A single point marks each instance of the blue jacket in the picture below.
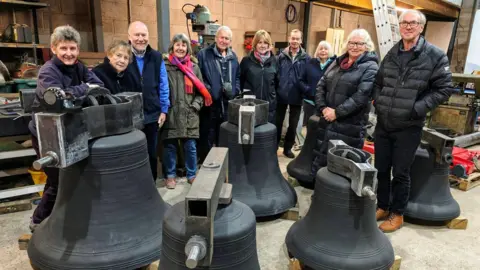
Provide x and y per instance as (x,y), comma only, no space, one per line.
(72,79)
(312,75)
(150,77)
(291,91)
(211,75)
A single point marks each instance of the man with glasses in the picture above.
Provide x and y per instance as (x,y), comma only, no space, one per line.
(413,79)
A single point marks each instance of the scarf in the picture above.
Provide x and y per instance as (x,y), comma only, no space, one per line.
(345,65)
(138,53)
(186,66)
(261,57)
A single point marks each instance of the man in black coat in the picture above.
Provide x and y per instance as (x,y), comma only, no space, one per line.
(291,61)
(413,79)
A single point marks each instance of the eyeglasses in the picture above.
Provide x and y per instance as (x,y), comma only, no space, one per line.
(352,44)
(404,24)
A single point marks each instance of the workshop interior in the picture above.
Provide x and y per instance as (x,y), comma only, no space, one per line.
(249,207)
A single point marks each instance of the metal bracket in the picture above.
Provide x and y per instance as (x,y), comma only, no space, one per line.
(63,137)
(246,124)
(207,192)
(441,144)
(363,175)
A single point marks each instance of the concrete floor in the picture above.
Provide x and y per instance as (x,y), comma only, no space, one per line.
(420,247)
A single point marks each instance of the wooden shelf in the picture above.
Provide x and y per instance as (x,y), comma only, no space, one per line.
(21,45)
(22,4)
(17,154)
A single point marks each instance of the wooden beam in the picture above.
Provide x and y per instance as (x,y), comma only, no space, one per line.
(438,8)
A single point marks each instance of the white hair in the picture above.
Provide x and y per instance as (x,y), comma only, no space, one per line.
(422,20)
(225,29)
(65,33)
(326,45)
(362,33)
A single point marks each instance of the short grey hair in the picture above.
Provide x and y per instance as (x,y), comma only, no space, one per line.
(325,45)
(364,35)
(65,33)
(422,20)
(180,38)
(225,29)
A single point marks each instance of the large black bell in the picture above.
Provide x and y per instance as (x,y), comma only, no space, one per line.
(253,168)
(108,213)
(234,242)
(430,198)
(300,168)
(339,230)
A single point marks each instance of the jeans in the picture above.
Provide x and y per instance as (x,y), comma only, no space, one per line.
(170,157)
(151,132)
(45,207)
(294,116)
(395,150)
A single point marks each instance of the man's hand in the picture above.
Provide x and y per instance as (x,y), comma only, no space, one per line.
(161,120)
(329,114)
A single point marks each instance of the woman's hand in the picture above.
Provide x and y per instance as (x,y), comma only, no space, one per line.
(329,114)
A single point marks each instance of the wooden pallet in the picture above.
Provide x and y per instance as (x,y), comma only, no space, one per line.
(295,264)
(472,181)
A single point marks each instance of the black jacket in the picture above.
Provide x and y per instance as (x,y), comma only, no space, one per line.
(349,93)
(291,90)
(312,75)
(261,79)
(404,97)
(115,82)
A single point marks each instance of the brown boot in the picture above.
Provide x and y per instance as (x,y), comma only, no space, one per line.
(190,181)
(170,183)
(381,214)
(393,223)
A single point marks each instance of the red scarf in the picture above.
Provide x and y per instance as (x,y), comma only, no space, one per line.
(186,66)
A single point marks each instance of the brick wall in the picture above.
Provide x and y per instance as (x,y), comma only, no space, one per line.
(241,16)
(115,18)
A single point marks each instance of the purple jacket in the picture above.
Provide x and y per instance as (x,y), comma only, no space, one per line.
(72,79)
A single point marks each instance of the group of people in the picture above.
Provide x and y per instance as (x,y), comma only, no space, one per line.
(185,96)
(411,80)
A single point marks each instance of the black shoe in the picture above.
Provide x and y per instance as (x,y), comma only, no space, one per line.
(288,153)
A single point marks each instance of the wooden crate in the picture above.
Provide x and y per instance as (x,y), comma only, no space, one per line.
(295,264)
(472,181)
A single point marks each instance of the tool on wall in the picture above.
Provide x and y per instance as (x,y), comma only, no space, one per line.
(201,24)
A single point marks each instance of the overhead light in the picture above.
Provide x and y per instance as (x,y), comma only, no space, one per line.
(401,9)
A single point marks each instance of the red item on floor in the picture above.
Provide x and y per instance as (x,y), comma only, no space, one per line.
(368,147)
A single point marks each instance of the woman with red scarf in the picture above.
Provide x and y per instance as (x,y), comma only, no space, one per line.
(187,96)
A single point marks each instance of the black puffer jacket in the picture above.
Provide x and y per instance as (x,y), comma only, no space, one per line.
(404,97)
(261,79)
(349,93)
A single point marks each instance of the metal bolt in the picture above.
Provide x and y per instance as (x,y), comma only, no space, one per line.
(367,191)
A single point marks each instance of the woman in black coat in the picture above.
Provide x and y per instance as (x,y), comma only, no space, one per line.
(314,71)
(343,96)
(111,71)
(258,72)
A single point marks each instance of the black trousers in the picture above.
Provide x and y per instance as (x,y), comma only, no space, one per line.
(395,150)
(294,116)
(151,132)
(308,111)
(45,207)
